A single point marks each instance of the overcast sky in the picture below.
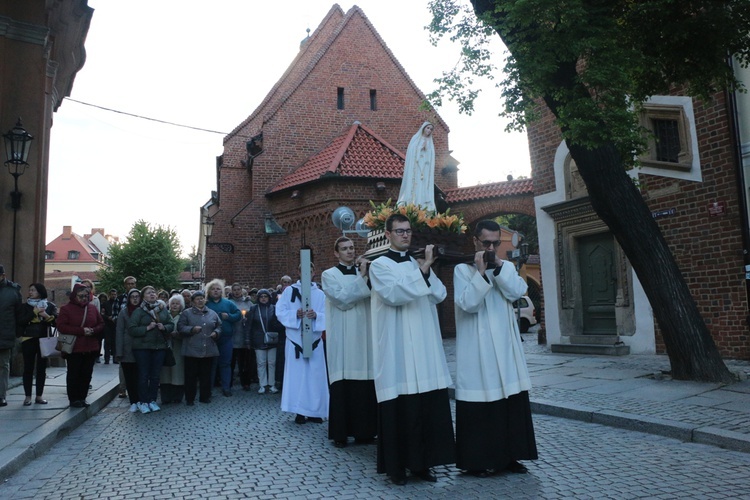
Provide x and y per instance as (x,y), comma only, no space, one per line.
(209,65)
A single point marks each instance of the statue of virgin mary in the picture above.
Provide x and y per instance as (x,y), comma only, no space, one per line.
(418,183)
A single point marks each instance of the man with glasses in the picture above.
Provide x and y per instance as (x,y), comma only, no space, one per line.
(493,415)
(415,427)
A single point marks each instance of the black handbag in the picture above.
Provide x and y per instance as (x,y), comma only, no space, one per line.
(169,359)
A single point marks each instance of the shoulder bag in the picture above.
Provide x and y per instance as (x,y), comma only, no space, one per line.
(269,338)
(48,344)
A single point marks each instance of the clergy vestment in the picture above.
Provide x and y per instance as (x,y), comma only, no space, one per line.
(493,415)
(415,429)
(305,381)
(353,407)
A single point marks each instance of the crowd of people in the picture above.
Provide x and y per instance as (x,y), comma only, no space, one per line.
(363,350)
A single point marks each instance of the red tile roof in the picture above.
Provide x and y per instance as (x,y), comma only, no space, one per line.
(359,153)
(493,190)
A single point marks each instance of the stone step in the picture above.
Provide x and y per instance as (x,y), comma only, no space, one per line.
(595,339)
(604,350)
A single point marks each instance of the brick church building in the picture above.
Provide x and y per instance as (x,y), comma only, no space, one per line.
(332,132)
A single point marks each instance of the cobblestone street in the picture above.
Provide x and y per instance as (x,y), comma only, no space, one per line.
(245,447)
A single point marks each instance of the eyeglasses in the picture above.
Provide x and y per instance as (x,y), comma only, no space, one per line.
(402,232)
(488,243)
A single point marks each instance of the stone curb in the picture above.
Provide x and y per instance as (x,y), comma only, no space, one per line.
(712,436)
(37,442)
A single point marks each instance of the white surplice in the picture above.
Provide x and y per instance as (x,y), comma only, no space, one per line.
(408,348)
(305,381)
(490,362)
(348,331)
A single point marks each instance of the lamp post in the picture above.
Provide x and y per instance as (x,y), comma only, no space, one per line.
(17,146)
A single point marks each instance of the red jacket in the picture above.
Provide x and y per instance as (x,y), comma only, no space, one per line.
(70,318)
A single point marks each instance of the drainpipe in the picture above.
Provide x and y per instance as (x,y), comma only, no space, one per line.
(742,182)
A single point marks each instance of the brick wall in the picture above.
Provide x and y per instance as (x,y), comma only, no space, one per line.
(708,249)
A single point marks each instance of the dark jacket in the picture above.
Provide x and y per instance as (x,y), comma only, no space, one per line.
(254,333)
(31,325)
(199,345)
(154,338)
(71,316)
(10,301)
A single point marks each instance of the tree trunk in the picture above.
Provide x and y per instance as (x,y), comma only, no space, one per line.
(692,352)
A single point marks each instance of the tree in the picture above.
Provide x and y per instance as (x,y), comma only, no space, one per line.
(524,224)
(591,62)
(152,255)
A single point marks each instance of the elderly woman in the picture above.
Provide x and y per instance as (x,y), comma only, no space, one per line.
(259,320)
(124,347)
(34,320)
(150,326)
(81,318)
(200,328)
(230,316)
(173,377)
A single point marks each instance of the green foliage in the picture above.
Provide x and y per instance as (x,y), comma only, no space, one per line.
(151,254)
(524,224)
(594,60)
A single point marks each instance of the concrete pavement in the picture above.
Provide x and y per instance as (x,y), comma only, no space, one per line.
(629,392)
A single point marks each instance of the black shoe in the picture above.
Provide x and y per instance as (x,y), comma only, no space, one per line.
(339,444)
(205,400)
(364,440)
(300,419)
(106,361)
(517,468)
(3,402)
(77,404)
(315,420)
(227,393)
(98,360)
(398,479)
(116,362)
(190,403)
(425,475)
(122,395)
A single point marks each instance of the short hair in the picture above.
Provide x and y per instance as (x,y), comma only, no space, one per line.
(92,287)
(213,283)
(177,298)
(147,287)
(397,217)
(236,284)
(286,277)
(129,278)
(489,225)
(340,239)
(113,290)
(41,289)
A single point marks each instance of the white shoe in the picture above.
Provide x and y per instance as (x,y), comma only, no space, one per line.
(144,408)
(274,390)
(262,390)
(133,408)
(153,406)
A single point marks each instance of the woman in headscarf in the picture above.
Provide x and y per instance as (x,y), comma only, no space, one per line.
(81,318)
(261,319)
(200,328)
(418,183)
(150,326)
(34,320)
(124,347)
(172,384)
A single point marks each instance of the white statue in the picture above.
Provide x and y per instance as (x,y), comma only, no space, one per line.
(418,183)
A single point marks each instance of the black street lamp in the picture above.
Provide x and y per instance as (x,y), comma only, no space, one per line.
(17,147)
